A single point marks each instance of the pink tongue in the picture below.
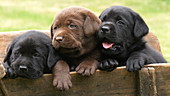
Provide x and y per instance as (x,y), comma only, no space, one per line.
(107,45)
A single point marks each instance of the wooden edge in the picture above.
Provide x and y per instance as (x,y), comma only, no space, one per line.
(16,33)
(147,82)
(149,65)
(101,80)
(12,32)
(3,88)
(123,67)
(158,64)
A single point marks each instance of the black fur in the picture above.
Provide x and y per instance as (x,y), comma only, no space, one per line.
(126,29)
(30,55)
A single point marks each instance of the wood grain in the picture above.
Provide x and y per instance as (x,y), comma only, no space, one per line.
(147,83)
(100,84)
(116,83)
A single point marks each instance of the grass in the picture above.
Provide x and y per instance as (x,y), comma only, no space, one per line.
(18,15)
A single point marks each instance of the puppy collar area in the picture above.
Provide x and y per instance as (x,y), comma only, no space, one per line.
(107,45)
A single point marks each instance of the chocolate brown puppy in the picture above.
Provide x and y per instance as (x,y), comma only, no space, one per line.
(73,36)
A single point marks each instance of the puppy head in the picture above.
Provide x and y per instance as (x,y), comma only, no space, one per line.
(73,30)
(121,27)
(29,55)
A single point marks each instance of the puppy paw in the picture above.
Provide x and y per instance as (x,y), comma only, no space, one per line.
(2,71)
(135,63)
(62,82)
(87,68)
(108,65)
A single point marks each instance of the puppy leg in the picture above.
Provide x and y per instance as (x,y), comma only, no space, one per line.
(62,78)
(108,65)
(87,67)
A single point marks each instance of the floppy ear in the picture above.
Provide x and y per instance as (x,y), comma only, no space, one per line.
(91,25)
(51,30)
(140,28)
(53,57)
(6,62)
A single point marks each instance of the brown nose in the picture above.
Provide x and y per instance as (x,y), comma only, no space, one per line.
(59,39)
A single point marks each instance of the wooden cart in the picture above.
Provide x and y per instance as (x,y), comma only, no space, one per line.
(153,80)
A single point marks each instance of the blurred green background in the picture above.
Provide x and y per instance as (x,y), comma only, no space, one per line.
(18,15)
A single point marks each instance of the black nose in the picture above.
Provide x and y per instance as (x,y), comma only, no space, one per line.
(59,38)
(105,29)
(23,68)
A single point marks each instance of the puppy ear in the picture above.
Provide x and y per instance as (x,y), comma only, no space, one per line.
(91,25)
(53,57)
(6,61)
(140,28)
(51,30)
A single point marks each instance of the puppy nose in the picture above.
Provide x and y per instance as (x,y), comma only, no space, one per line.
(23,68)
(105,29)
(59,39)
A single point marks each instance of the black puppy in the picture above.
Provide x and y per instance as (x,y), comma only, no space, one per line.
(121,35)
(30,55)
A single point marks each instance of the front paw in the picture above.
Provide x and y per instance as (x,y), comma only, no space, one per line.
(135,63)
(62,82)
(87,68)
(108,65)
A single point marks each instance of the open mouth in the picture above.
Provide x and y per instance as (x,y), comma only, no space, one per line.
(106,44)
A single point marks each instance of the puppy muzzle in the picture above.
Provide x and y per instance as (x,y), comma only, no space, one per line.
(10,73)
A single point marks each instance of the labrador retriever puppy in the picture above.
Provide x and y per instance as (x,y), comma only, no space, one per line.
(30,55)
(73,36)
(121,36)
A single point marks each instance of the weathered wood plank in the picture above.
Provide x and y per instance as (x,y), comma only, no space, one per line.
(153,41)
(100,84)
(147,82)
(3,88)
(162,72)
(116,83)
(1,93)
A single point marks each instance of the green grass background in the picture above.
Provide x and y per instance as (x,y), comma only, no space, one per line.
(18,15)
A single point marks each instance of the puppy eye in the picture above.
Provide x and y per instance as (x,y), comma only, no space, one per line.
(120,22)
(55,27)
(17,54)
(36,55)
(72,26)
(118,18)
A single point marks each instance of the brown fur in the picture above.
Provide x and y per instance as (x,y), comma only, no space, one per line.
(77,44)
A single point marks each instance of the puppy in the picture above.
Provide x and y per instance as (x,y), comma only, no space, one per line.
(121,36)
(30,55)
(73,36)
